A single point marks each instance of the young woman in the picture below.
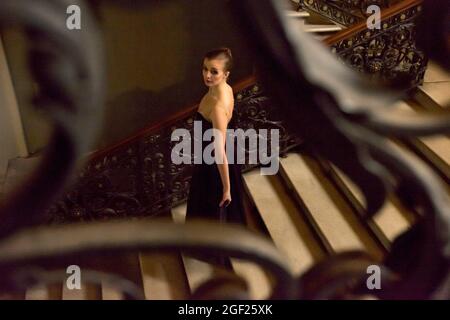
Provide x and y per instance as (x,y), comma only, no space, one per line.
(216,190)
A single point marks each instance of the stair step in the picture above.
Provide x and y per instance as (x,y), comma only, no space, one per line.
(332,215)
(128,269)
(391,220)
(283,221)
(110,293)
(163,277)
(435,149)
(42,292)
(435,90)
(440,145)
(18,169)
(86,292)
(434,94)
(297,14)
(258,281)
(435,73)
(315,28)
(198,272)
(320,29)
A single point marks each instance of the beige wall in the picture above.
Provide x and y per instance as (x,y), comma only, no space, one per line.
(12,140)
(35,124)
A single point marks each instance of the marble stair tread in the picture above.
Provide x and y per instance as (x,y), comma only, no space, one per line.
(86,292)
(198,272)
(436,73)
(163,276)
(300,20)
(389,219)
(437,93)
(296,14)
(110,293)
(42,292)
(18,169)
(438,144)
(321,28)
(283,221)
(332,215)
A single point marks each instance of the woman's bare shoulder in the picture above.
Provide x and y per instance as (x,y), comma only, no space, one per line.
(222,100)
(225,95)
(226,101)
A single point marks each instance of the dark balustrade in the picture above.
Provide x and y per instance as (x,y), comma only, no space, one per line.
(388,54)
(343,12)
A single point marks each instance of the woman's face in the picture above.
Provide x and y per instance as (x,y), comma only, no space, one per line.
(213,72)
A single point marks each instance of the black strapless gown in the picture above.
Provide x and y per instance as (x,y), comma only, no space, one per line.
(205,193)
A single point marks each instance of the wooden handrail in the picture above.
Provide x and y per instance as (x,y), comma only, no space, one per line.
(358,27)
(385,14)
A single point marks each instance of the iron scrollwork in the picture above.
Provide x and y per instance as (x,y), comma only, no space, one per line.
(344,12)
(390,53)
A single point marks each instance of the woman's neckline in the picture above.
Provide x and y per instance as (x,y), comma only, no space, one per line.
(211,121)
(203,116)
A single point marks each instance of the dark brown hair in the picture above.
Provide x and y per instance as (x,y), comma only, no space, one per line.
(221,53)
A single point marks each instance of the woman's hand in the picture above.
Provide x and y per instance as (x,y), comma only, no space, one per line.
(226,199)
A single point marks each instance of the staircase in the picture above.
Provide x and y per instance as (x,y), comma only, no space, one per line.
(309,209)
(310,22)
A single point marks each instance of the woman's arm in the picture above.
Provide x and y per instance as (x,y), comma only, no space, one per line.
(220,121)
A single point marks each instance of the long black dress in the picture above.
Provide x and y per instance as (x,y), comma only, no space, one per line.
(205,192)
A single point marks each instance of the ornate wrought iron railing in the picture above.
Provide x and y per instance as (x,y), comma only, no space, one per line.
(344,12)
(388,54)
